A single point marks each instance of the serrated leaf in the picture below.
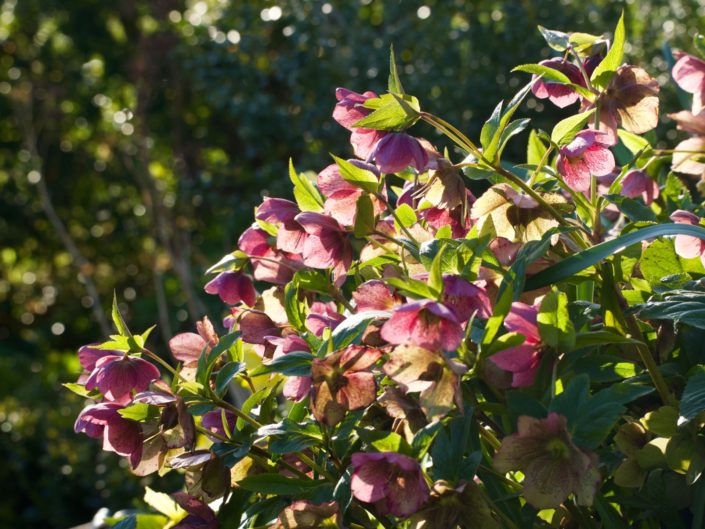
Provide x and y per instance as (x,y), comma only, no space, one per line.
(557,40)
(603,73)
(357,176)
(118,320)
(659,260)
(295,363)
(554,323)
(406,215)
(226,374)
(81,391)
(393,112)
(352,327)
(546,73)
(394,83)
(307,196)
(364,216)
(566,129)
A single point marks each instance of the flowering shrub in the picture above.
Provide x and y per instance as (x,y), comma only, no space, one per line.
(400,353)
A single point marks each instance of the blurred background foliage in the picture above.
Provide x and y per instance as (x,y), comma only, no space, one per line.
(137,136)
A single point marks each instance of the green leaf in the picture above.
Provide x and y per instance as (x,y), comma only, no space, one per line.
(635,210)
(307,196)
(602,75)
(589,339)
(139,412)
(80,390)
(364,216)
(699,44)
(693,398)
(566,129)
(352,327)
(659,260)
(493,131)
(278,484)
(554,323)
(633,142)
(414,288)
(357,176)
(393,112)
(384,441)
(313,281)
(557,40)
(680,306)
(292,306)
(394,84)
(163,503)
(535,149)
(226,374)
(546,73)
(406,215)
(435,276)
(587,258)
(118,320)
(295,363)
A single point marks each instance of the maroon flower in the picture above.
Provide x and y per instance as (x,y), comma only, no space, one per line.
(558,94)
(268,264)
(552,465)
(200,515)
(689,74)
(117,376)
(586,155)
(349,109)
(638,183)
(523,360)
(187,347)
(232,288)
(326,244)
(342,196)
(465,299)
(215,421)
(295,388)
(397,151)
(393,482)
(424,323)
(119,435)
(290,234)
(342,382)
(89,354)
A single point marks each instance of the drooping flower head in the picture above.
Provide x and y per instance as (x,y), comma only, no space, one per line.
(232,288)
(393,482)
(119,435)
(118,376)
(397,151)
(637,184)
(687,246)
(553,467)
(341,196)
(424,323)
(557,93)
(584,157)
(523,360)
(374,295)
(326,244)
(348,111)
(689,74)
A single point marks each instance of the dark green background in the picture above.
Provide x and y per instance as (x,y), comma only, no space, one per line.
(152,128)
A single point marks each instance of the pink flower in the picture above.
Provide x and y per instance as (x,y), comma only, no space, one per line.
(89,354)
(522,361)
(559,94)
(392,481)
(374,295)
(397,151)
(187,347)
(424,323)
(326,244)
(280,212)
(342,381)
(268,264)
(117,376)
(119,435)
(295,388)
(232,288)
(341,201)
(689,74)
(638,183)
(349,109)
(586,155)
(465,298)
(686,246)
(323,316)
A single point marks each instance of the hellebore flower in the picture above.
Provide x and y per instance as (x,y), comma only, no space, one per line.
(303,514)
(465,298)
(232,288)
(281,212)
(342,196)
(552,465)
(326,244)
(200,515)
(348,111)
(689,74)
(689,122)
(523,360)
(686,246)
(343,382)
(424,323)
(268,265)
(397,151)
(116,376)
(558,94)
(638,183)
(215,421)
(89,354)
(119,435)
(295,388)
(374,295)
(393,482)
(688,155)
(187,347)
(462,505)
(323,316)
(586,155)
(418,370)
(631,100)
